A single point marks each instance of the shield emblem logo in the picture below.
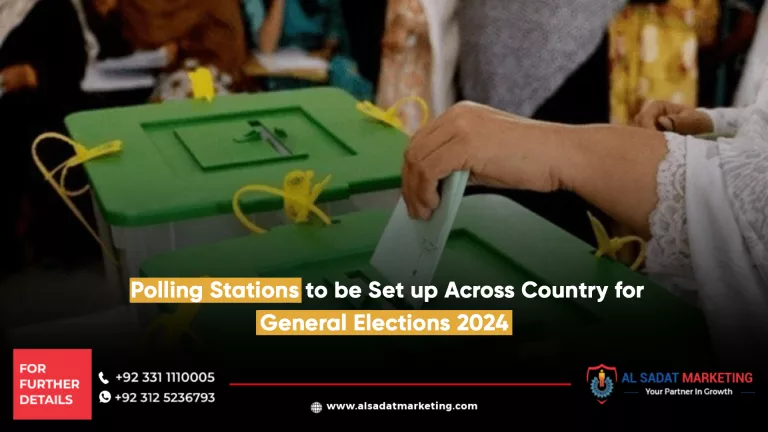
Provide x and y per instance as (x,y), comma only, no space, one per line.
(601,380)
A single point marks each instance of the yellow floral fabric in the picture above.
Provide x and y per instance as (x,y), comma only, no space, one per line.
(653,54)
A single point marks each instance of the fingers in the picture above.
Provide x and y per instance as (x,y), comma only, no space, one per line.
(687,123)
(437,166)
(434,152)
(423,143)
(428,160)
(421,147)
(450,121)
(649,117)
(667,123)
(426,173)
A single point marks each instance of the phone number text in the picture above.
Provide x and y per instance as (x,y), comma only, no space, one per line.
(166,397)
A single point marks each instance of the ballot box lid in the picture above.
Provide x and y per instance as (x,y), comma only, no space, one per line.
(494,242)
(186,159)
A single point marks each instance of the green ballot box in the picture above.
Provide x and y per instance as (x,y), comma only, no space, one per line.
(494,241)
(173,183)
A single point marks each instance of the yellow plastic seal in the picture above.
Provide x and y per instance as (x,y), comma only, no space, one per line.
(391,115)
(609,247)
(82,155)
(202,84)
(299,196)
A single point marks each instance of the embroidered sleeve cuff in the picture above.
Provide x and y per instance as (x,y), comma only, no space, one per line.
(726,121)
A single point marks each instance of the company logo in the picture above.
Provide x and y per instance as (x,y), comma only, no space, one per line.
(601,380)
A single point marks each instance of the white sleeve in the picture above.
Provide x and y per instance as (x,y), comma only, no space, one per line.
(668,258)
(725,120)
(709,243)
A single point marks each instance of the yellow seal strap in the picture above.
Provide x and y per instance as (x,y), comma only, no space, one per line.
(202,84)
(174,326)
(299,197)
(610,247)
(82,155)
(391,115)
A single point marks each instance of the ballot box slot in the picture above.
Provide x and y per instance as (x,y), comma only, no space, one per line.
(275,140)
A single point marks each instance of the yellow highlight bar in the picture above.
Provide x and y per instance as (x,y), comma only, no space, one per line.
(216,290)
(383,323)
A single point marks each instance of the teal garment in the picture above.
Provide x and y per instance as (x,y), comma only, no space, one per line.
(302,29)
(310,31)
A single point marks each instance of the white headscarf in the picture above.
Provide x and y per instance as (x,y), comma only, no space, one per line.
(12,13)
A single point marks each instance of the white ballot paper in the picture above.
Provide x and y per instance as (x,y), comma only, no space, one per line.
(409,250)
(291,59)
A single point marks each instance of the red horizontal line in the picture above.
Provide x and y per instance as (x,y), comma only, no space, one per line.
(400,384)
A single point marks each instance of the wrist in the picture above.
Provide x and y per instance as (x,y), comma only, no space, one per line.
(602,163)
(569,155)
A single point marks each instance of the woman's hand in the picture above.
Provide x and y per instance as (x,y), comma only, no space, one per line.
(612,167)
(19,77)
(670,117)
(499,150)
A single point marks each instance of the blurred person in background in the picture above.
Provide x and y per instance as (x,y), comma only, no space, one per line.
(517,55)
(316,26)
(44,49)
(653,53)
(545,59)
(419,57)
(195,33)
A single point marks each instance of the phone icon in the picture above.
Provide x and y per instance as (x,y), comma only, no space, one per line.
(102,379)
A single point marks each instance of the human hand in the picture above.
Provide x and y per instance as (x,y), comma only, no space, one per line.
(671,117)
(498,149)
(19,77)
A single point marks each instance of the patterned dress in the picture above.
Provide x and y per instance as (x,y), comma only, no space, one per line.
(406,62)
(653,54)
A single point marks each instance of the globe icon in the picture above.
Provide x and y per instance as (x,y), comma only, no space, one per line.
(316,407)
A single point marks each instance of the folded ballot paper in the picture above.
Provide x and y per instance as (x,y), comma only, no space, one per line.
(409,250)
